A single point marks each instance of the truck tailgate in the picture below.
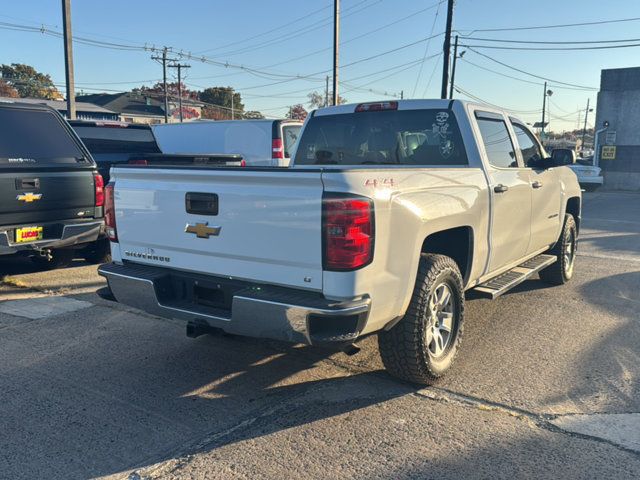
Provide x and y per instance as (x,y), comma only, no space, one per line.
(44,196)
(267,227)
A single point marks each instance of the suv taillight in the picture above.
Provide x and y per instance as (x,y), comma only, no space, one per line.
(277,148)
(98,181)
(348,231)
(110,212)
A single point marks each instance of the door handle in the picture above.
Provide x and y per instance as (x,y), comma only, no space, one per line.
(536,184)
(500,188)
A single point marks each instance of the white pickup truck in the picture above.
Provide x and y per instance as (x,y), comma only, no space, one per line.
(390,212)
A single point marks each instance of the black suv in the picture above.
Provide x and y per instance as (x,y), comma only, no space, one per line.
(51,194)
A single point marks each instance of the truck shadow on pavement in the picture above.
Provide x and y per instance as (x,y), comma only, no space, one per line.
(608,373)
(108,393)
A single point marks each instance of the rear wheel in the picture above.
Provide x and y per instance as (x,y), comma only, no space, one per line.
(57,258)
(561,271)
(423,345)
(98,252)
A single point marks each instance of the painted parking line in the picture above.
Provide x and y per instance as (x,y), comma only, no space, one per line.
(42,307)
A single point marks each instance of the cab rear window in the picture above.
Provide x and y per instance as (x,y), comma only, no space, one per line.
(35,138)
(400,137)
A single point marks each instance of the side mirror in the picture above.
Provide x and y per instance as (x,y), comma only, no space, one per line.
(561,157)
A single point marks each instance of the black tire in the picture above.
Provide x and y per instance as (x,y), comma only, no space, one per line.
(405,349)
(98,252)
(561,271)
(59,259)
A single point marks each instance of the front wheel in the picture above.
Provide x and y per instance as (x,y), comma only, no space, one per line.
(561,271)
(422,346)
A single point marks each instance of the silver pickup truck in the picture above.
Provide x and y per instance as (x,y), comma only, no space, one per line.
(389,214)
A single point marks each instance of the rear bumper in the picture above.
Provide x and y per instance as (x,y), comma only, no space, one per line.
(72,233)
(591,180)
(252,310)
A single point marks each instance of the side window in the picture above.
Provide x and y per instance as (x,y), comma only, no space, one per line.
(497,143)
(531,154)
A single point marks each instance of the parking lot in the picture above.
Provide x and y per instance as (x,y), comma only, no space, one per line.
(547,385)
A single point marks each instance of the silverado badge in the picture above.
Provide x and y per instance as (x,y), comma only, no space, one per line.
(29,197)
(202,230)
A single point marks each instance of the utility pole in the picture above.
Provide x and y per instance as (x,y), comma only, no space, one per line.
(453,67)
(544,101)
(163,59)
(179,66)
(584,129)
(68,60)
(326,92)
(233,114)
(446,50)
(401,94)
(336,46)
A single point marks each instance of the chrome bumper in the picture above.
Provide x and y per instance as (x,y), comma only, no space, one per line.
(256,310)
(72,234)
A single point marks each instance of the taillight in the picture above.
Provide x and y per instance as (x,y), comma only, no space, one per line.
(98,181)
(376,106)
(110,213)
(139,162)
(277,148)
(348,231)
(243,163)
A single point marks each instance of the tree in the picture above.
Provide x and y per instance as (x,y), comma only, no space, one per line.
(317,100)
(172,89)
(297,112)
(254,115)
(7,90)
(28,82)
(220,104)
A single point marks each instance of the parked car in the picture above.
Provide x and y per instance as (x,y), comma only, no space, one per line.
(389,213)
(51,194)
(266,143)
(113,143)
(589,176)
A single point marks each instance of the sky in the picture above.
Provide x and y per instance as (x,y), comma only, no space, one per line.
(275,52)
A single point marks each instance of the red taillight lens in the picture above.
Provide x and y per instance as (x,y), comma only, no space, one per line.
(277,148)
(139,162)
(376,106)
(348,230)
(98,181)
(110,213)
(243,163)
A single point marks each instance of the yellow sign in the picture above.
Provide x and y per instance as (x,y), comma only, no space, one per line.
(29,197)
(608,152)
(28,234)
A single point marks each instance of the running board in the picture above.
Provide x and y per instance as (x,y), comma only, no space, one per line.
(506,281)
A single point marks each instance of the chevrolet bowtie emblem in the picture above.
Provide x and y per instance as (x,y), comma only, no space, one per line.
(203,230)
(29,197)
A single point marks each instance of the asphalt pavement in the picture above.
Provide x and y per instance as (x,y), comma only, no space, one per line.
(547,385)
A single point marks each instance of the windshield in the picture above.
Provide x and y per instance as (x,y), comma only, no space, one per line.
(405,137)
(35,138)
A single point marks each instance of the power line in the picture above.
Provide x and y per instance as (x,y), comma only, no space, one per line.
(601,47)
(275,29)
(459,89)
(531,82)
(540,27)
(426,50)
(502,40)
(530,74)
